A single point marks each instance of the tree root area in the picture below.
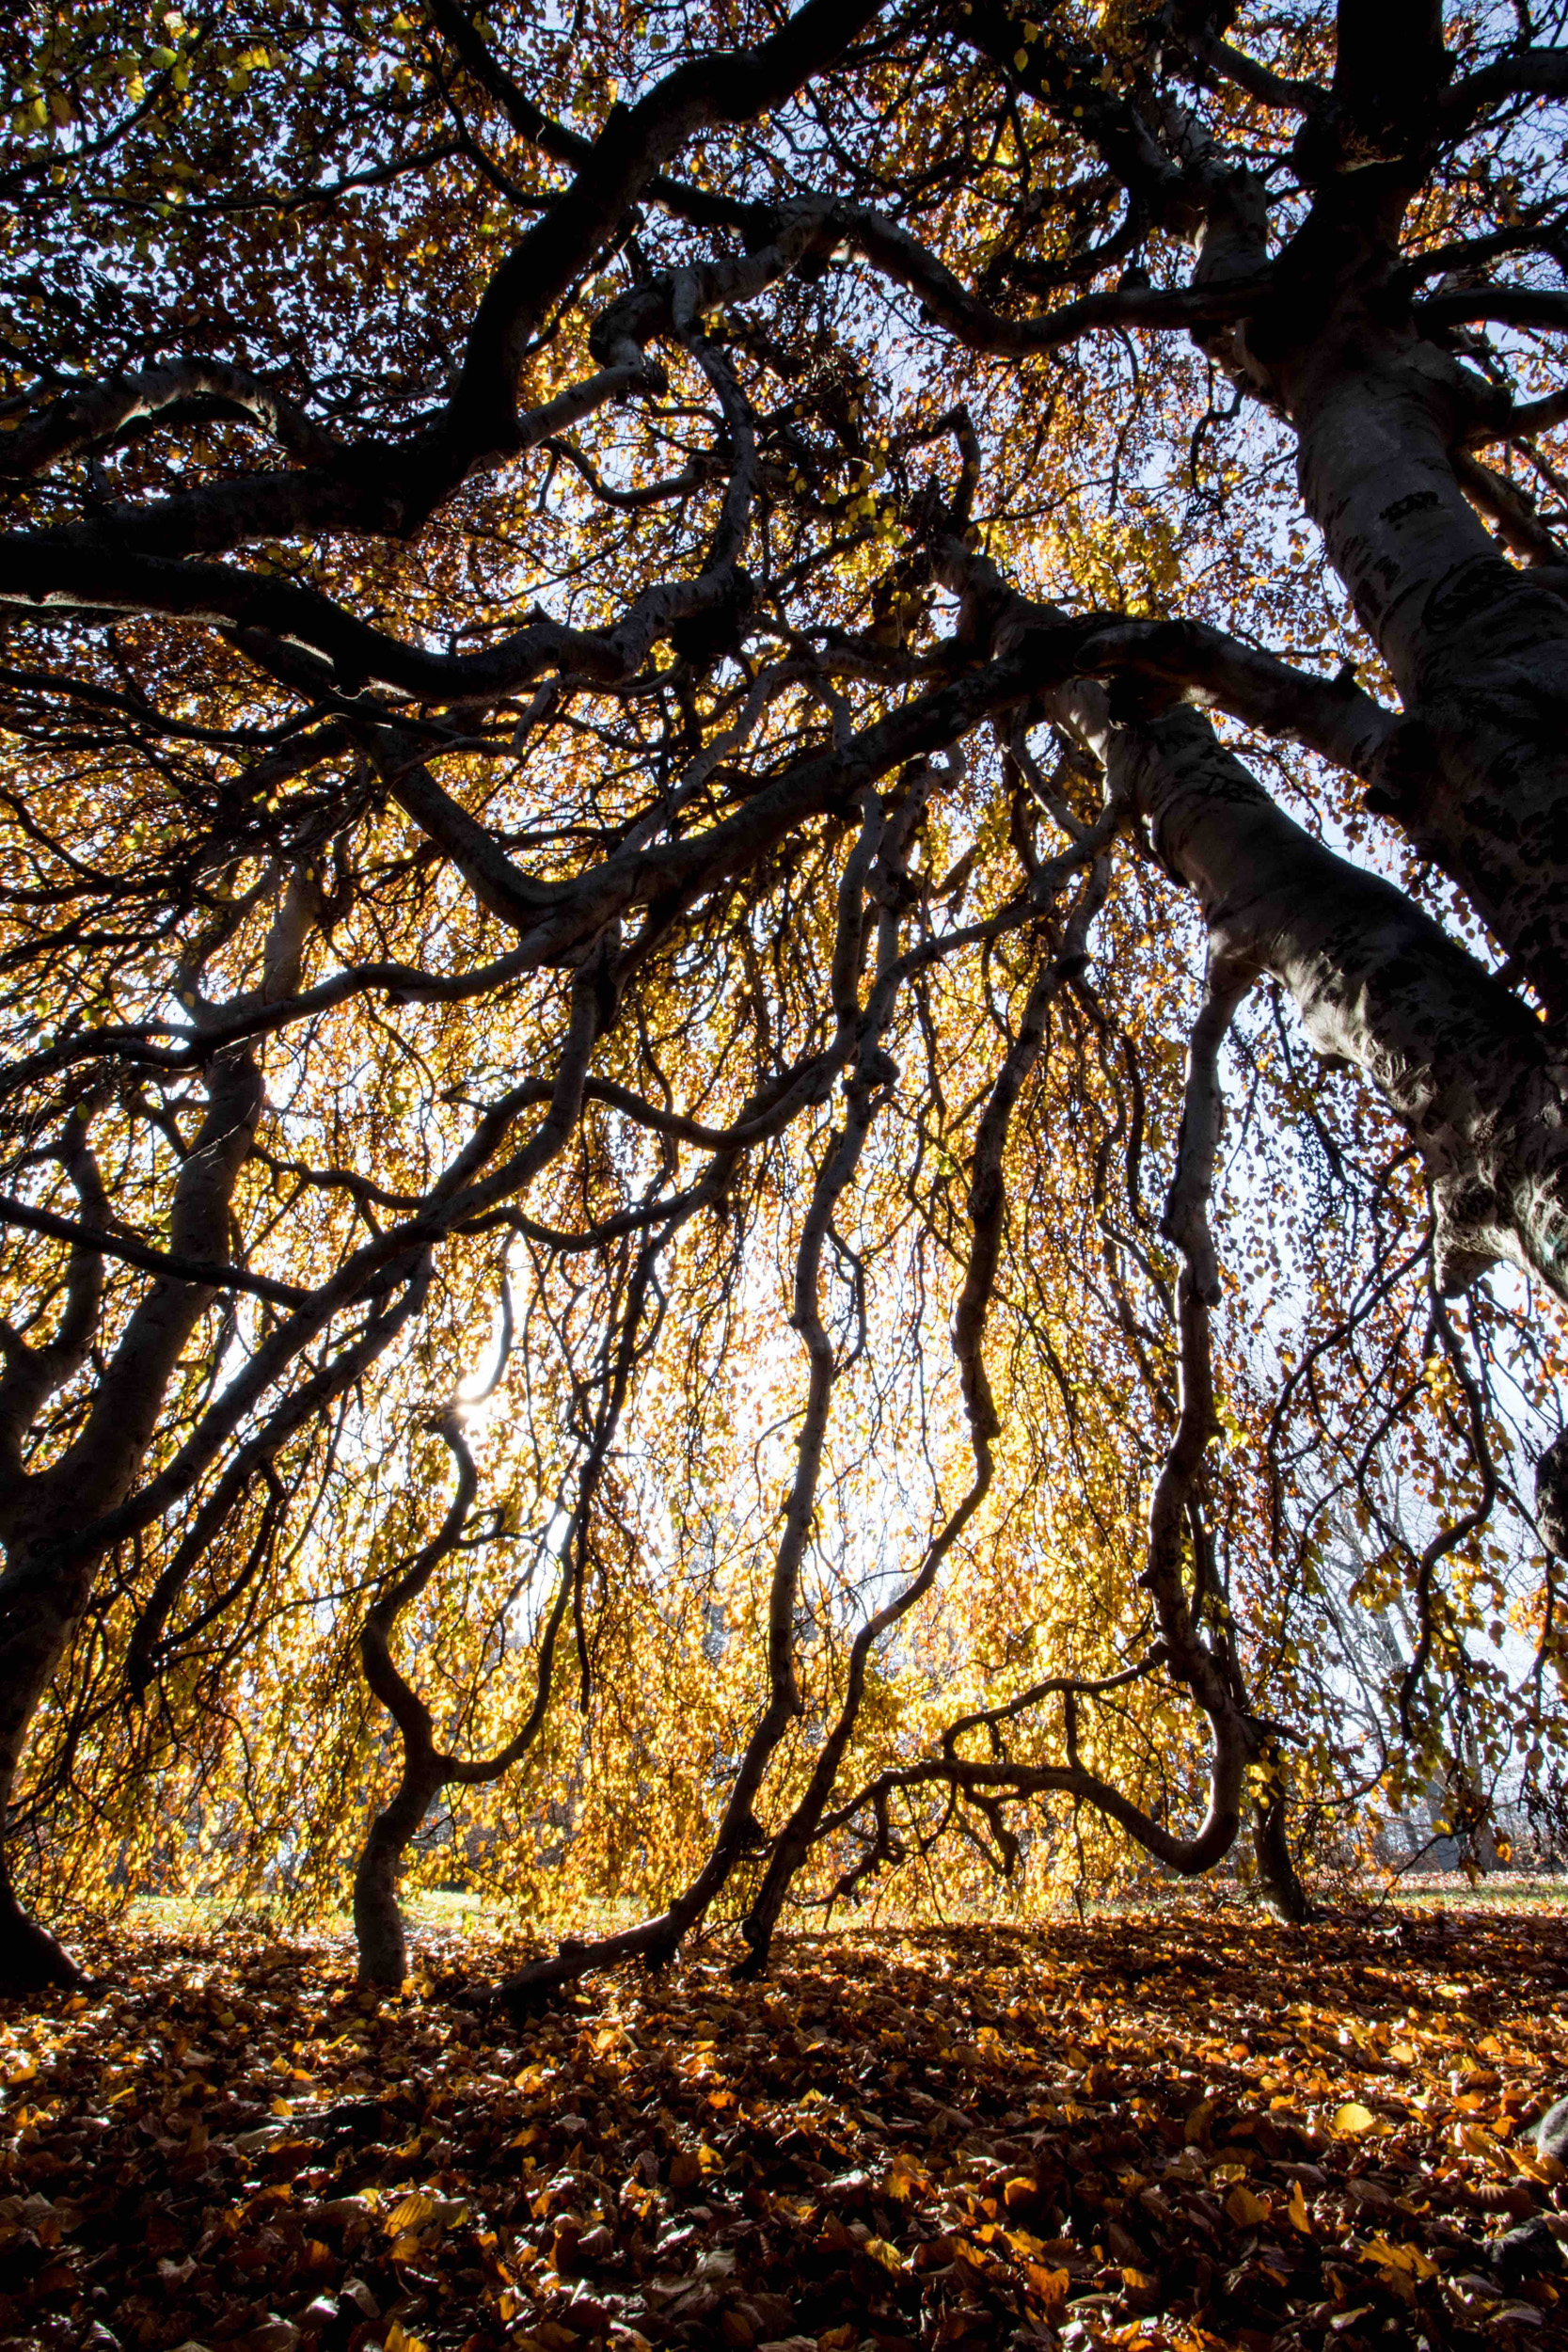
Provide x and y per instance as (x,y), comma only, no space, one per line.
(1184,2129)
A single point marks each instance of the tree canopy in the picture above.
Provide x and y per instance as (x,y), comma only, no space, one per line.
(782,941)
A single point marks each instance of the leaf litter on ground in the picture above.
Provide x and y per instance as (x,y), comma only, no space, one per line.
(1170,2129)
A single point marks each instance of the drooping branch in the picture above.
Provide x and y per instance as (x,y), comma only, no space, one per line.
(875,866)
(988,1210)
(377,1921)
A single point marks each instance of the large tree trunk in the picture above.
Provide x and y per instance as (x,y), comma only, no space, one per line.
(1478,774)
(1457,1057)
(31,1958)
(34,1635)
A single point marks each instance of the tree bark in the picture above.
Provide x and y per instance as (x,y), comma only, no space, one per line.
(1478,774)
(1279,1886)
(1456,1057)
(987,1207)
(378,1927)
(34,1632)
(31,1958)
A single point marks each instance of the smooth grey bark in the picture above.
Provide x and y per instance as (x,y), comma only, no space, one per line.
(1455,1055)
(1477,774)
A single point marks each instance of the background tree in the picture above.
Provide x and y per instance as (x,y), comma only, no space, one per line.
(841,618)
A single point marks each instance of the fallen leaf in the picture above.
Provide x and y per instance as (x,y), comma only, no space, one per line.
(1245,2209)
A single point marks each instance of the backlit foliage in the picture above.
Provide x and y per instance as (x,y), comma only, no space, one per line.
(234,828)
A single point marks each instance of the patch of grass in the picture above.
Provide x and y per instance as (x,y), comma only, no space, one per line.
(1511,1891)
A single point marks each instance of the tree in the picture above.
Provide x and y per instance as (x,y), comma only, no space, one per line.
(743,626)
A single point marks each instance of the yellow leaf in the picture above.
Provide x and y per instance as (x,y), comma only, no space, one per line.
(1300,2218)
(1408,2258)
(1049,2285)
(1245,2209)
(888,2256)
(399,2340)
(1353,2120)
(412,2212)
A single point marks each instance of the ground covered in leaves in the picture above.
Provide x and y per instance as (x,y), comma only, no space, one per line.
(1182,2129)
